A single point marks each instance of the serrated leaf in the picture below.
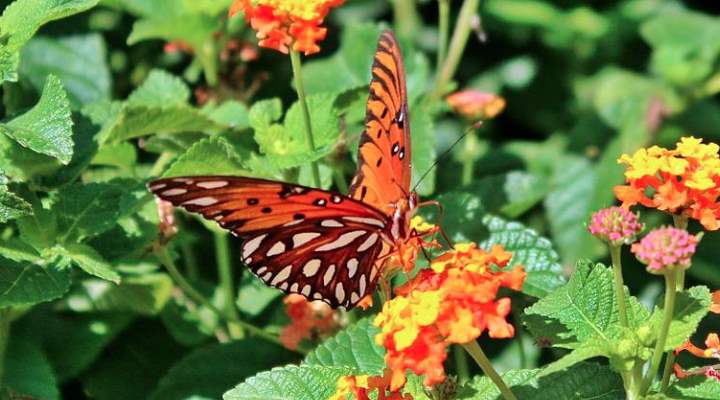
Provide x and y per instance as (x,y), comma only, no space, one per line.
(27,370)
(160,89)
(47,127)
(586,306)
(264,112)
(532,251)
(585,351)
(25,283)
(230,113)
(569,384)
(353,347)
(306,382)
(690,308)
(12,206)
(696,388)
(209,371)
(211,156)
(17,250)
(143,294)
(90,261)
(22,19)
(83,71)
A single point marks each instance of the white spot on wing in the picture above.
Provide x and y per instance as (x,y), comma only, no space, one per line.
(276,249)
(157,186)
(174,192)
(311,267)
(261,270)
(365,220)
(352,265)
(342,241)
(306,290)
(340,293)
(329,274)
(267,276)
(373,272)
(317,295)
(212,184)
(282,275)
(354,298)
(362,285)
(331,223)
(201,201)
(250,246)
(368,242)
(284,286)
(295,287)
(300,239)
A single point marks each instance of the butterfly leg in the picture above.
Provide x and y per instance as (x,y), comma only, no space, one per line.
(441,215)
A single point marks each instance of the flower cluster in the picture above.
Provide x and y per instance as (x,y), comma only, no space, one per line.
(360,387)
(683,181)
(615,225)
(475,104)
(711,351)
(666,247)
(454,301)
(281,24)
(308,320)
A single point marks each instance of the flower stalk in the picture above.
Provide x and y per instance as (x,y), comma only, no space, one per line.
(443,31)
(300,89)
(669,309)
(222,254)
(475,351)
(619,284)
(459,39)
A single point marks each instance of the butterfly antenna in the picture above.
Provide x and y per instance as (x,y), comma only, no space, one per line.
(474,126)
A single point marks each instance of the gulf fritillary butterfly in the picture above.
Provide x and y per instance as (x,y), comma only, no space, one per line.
(320,244)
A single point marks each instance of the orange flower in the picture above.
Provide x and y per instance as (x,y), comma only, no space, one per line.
(712,350)
(454,301)
(682,181)
(715,305)
(283,23)
(308,320)
(475,104)
(361,385)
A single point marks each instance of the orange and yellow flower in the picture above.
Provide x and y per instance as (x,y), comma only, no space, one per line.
(711,351)
(359,387)
(475,104)
(282,24)
(454,301)
(715,305)
(308,320)
(683,181)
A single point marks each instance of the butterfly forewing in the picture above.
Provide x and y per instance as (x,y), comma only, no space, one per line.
(301,240)
(383,176)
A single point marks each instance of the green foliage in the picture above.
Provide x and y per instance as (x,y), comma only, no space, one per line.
(353,347)
(691,306)
(307,382)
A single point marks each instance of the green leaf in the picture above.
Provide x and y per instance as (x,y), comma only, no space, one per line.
(691,306)
(211,156)
(25,283)
(209,371)
(534,252)
(570,384)
(353,347)
(160,89)
(423,147)
(510,194)
(22,19)
(47,127)
(90,261)
(138,121)
(12,206)
(586,306)
(306,382)
(254,296)
(696,388)
(17,250)
(83,70)
(27,370)
(230,113)
(143,294)
(264,112)
(584,351)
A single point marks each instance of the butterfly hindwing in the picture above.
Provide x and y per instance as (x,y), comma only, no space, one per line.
(290,231)
(384,157)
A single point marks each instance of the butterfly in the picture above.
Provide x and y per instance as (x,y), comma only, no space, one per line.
(322,245)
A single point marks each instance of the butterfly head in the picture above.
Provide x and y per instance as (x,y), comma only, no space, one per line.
(404,211)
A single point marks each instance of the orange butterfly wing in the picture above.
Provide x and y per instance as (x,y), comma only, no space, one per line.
(319,244)
(384,158)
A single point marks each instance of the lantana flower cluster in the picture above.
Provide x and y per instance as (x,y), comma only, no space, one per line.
(615,225)
(282,24)
(360,387)
(683,181)
(308,320)
(666,247)
(711,351)
(454,301)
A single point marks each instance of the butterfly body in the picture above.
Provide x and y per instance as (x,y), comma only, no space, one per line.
(322,245)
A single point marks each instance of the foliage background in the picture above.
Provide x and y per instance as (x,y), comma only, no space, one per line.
(93,106)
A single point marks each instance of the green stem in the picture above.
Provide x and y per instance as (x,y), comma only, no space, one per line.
(193,294)
(520,338)
(459,39)
(300,89)
(619,285)
(340,180)
(670,291)
(222,253)
(407,19)
(680,221)
(469,154)
(670,358)
(473,348)
(5,320)
(461,364)
(444,23)
(161,163)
